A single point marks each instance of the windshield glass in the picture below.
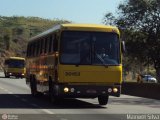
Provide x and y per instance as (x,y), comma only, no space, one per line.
(15,63)
(84,48)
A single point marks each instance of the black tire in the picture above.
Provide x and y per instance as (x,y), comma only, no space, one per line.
(6,75)
(17,77)
(51,91)
(103,100)
(33,85)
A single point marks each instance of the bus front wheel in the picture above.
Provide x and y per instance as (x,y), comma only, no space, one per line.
(52,97)
(103,100)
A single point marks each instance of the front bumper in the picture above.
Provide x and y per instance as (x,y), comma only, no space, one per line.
(86,91)
(15,74)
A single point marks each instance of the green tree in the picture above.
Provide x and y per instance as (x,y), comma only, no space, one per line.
(7,41)
(16,31)
(142,19)
(109,19)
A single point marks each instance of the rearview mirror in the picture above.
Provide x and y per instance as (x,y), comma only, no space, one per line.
(123,47)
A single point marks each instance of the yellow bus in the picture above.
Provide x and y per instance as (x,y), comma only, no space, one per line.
(14,66)
(75,61)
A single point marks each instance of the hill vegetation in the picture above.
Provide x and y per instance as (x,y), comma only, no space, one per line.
(15,32)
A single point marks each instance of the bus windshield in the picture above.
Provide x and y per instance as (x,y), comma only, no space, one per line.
(86,48)
(15,63)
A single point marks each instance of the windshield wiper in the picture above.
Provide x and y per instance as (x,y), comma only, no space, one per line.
(101,59)
(83,58)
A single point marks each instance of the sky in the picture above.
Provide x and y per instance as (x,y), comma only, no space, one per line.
(77,11)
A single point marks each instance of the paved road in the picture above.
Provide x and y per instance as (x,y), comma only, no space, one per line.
(16,101)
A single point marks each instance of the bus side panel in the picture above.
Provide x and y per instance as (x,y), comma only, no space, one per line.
(42,68)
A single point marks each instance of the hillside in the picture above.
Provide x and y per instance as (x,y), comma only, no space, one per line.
(15,32)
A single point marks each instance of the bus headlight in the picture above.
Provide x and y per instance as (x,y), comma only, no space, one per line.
(115,90)
(66,89)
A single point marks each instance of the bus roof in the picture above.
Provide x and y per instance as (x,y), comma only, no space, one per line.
(87,26)
(17,58)
(80,27)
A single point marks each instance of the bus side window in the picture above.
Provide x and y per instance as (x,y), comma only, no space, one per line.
(34,48)
(37,49)
(39,52)
(50,44)
(28,50)
(31,50)
(42,46)
(46,45)
(55,43)
(6,62)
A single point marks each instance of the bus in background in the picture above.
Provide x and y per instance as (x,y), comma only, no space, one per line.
(75,61)
(14,66)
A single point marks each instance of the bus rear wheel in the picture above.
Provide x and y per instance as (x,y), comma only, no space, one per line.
(33,85)
(51,94)
(6,75)
(103,100)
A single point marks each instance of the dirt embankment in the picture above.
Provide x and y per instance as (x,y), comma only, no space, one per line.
(147,90)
